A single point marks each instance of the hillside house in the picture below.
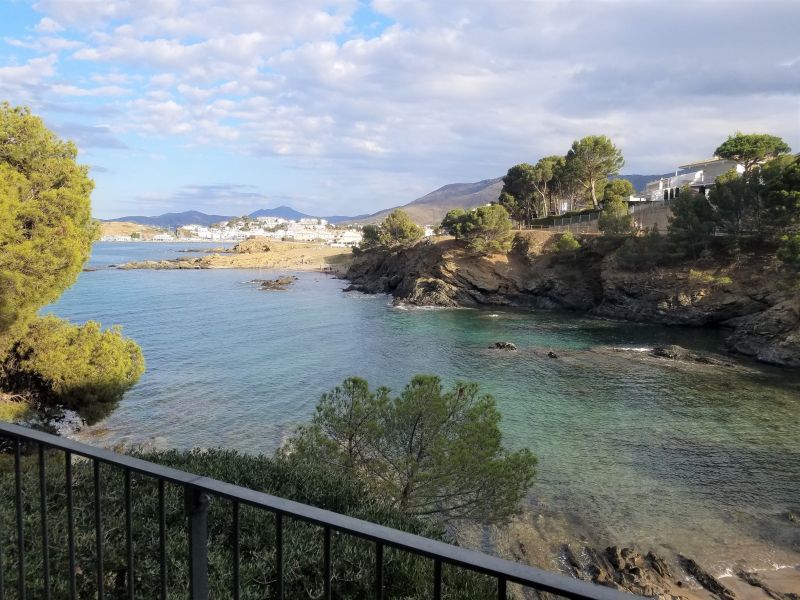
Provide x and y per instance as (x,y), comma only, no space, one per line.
(699,176)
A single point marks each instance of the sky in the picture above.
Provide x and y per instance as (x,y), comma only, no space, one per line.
(350,106)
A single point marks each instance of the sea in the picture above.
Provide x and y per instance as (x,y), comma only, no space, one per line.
(703,461)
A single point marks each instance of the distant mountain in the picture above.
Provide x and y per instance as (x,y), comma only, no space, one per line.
(431,208)
(194,217)
(287,212)
(173,220)
(284,212)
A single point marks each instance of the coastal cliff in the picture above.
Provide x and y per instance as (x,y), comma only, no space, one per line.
(759,304)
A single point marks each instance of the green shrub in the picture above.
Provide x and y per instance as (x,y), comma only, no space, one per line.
(789,251)
(80,368)
(317,484)
(567,244)
(645,252)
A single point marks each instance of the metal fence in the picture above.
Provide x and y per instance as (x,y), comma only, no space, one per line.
(200,490)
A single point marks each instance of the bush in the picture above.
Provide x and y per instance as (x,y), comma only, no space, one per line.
(567,244)
(406,576)
(643,252)
(80,368)
(789,251)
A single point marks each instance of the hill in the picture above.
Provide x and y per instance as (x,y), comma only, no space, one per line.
(284,212)
(194,217)
(113,228)
(173,220)
(431,208)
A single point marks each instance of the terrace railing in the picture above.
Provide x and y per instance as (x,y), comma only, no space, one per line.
(198,492)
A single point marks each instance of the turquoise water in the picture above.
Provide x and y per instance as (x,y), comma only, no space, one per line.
(630,451)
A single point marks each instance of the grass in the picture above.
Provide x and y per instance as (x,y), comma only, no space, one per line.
(710,278)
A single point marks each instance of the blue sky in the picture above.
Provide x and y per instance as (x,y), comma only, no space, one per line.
(347,107)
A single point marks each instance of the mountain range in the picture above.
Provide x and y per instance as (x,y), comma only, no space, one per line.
(428,209)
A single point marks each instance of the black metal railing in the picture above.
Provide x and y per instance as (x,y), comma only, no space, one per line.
(199,490)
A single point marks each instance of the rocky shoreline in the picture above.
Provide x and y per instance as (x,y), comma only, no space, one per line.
(258,253)
(759,305)
(545,539)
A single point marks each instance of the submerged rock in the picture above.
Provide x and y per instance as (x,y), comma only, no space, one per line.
(705,579)
(279,284)
(178,263)
(680,353)
(503,346)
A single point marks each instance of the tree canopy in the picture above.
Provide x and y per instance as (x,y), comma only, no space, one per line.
(397,230)
(752,148)
(430,452)
(615,220)
(46,229)
(593,159)
(618,189)
(486,229)
(692,223)
(46,234)
(84,369)
(518,193)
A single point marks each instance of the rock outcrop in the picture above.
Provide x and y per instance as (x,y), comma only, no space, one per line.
(757,303)
(503,346)
(280,284)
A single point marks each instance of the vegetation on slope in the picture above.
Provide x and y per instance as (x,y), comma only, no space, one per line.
(416,462)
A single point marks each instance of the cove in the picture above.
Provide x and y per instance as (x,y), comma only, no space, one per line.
(705,462)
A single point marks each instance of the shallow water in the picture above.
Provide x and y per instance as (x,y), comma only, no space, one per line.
(704,461)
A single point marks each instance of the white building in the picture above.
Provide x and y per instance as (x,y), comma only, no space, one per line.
(270,221)
(699,176)
(347,238)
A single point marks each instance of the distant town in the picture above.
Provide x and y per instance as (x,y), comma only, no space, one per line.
(241,228)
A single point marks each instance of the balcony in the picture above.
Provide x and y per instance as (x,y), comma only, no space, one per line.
(54,550)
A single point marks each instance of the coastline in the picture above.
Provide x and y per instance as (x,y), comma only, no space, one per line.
(750,297)
(785,580)
(260,254)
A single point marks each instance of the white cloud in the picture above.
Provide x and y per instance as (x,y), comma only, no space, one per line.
(72,90)
(29,74)
(48,25)
(448,91)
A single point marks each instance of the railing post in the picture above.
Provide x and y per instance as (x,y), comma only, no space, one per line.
(197,512)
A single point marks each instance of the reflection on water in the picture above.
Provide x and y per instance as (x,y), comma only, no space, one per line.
(702,460)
